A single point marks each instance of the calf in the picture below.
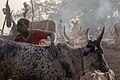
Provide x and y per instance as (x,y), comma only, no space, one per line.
(99,75)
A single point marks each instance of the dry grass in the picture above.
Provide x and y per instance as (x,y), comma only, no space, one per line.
(113,60)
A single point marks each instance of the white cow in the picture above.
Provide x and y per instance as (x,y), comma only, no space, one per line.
(96,75)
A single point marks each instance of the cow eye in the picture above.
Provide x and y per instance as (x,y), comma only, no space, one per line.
(92,76)
(19,24)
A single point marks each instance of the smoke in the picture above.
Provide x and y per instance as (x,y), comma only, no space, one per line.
(91,13)
(67,10)
(104,9)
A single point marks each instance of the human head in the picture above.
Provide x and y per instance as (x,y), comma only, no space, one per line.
(22,25)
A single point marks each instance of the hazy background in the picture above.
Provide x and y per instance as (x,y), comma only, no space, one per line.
(91,13)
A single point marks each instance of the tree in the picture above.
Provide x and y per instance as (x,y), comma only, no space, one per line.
(42,10)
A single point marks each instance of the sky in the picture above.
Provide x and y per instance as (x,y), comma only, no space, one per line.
(14,4)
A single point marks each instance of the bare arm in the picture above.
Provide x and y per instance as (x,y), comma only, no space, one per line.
(52,37)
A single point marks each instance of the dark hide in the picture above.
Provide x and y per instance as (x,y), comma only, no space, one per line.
(22,61)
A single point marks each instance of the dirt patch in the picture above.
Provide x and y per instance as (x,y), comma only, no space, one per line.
(113,59)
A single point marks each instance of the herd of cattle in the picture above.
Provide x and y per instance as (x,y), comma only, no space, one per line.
(23,61)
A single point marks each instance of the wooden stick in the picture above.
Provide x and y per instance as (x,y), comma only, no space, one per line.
(32,15)
(2,31)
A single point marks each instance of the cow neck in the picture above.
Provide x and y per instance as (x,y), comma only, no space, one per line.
(26,38)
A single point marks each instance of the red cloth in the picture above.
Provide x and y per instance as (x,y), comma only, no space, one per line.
(34,37)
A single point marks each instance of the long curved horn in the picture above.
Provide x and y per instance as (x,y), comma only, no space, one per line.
(101,36)
(87,35)
(66,34)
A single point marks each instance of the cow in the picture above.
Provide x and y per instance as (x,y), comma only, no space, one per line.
(96,75)
(24,61)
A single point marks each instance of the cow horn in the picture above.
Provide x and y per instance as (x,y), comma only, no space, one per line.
(100,36)
(87,35)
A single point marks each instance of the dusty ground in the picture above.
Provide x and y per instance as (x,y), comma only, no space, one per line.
(113,60)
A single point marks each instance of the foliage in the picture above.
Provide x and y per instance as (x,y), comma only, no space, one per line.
(42,9)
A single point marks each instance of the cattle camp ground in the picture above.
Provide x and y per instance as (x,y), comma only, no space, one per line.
(113,60)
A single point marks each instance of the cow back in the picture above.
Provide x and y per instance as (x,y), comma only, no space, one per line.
(27,62)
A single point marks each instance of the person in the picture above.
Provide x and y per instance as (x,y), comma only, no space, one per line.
(32,36)
(76,26)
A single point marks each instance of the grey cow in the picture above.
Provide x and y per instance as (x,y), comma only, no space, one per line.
(23,61)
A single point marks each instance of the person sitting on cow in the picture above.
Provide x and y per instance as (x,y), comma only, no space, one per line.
(32,36)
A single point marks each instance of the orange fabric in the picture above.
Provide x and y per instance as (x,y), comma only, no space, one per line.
(34,37)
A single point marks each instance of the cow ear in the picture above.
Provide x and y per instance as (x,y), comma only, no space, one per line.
(92,47)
